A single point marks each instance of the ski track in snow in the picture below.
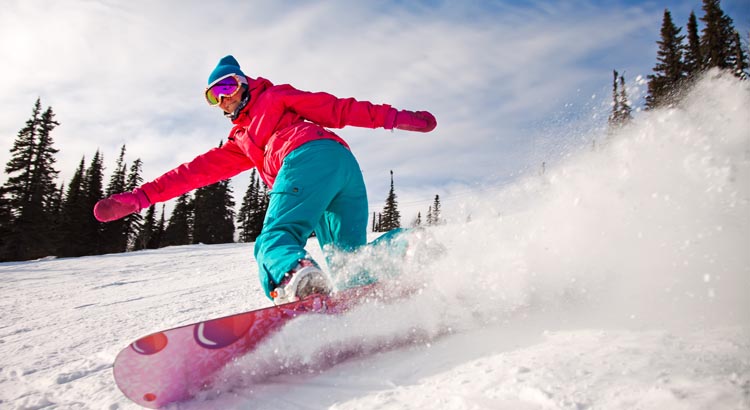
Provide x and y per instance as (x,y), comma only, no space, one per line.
(617,280)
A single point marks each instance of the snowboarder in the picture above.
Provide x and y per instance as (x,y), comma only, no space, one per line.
(316,183)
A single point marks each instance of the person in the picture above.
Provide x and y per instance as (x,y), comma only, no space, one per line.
(315,182)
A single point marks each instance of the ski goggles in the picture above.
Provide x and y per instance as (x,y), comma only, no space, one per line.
(226,86)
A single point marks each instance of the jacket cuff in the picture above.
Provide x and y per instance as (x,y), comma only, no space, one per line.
(143,200)
(390,119)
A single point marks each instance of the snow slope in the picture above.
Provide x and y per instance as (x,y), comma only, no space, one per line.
(617,280)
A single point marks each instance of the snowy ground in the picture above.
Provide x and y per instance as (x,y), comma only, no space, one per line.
(618,280)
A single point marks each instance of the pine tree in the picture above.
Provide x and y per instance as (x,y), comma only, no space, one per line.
(115,233)
(253,210)
(614,118)
(226,202)
(693,60)
(180,225)
(117,180)
(417,220)
(45,160)
(157,235)
(739,59)
(44,189)
(717,37)
(72,241)
(213,214)
(243,216)
(6,219)
(264,198)
(203,231)
(30,191)
(391,215)
(626,112)
(146,231)
(430,220)
(134,179)
(56,209)
(151,232)
(132,222)
(18,187)
(94,192)
(436,220)
(668,74)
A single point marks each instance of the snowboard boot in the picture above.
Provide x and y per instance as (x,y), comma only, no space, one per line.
(304,280)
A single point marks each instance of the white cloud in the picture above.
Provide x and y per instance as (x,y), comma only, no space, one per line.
(132,73)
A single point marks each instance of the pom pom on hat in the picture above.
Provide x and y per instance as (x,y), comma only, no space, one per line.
(227,65)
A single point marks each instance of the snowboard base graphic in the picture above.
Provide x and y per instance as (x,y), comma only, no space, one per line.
(175,364)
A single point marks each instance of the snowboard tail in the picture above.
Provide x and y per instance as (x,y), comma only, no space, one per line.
(173,365)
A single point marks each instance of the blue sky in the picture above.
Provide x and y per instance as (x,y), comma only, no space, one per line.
(512,84)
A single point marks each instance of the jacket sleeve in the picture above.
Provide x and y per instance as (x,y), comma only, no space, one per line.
(332,112)
(215,165)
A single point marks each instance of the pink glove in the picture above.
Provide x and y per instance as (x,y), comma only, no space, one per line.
(421,121)
(120,205)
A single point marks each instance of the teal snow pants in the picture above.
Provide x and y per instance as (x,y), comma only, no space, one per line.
(319,189)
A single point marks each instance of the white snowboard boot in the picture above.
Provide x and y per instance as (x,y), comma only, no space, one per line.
(304,280)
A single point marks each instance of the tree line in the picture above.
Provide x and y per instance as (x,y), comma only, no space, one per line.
(390,217)
(681,59)
(679,63)
(39,218)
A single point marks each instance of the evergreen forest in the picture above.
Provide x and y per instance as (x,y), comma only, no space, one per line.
(41,216)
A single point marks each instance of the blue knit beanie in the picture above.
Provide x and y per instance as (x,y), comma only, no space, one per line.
(227,65)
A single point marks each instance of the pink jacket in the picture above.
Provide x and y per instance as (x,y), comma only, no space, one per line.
(276,120)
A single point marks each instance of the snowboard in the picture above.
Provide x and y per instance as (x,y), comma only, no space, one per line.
(173,365)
